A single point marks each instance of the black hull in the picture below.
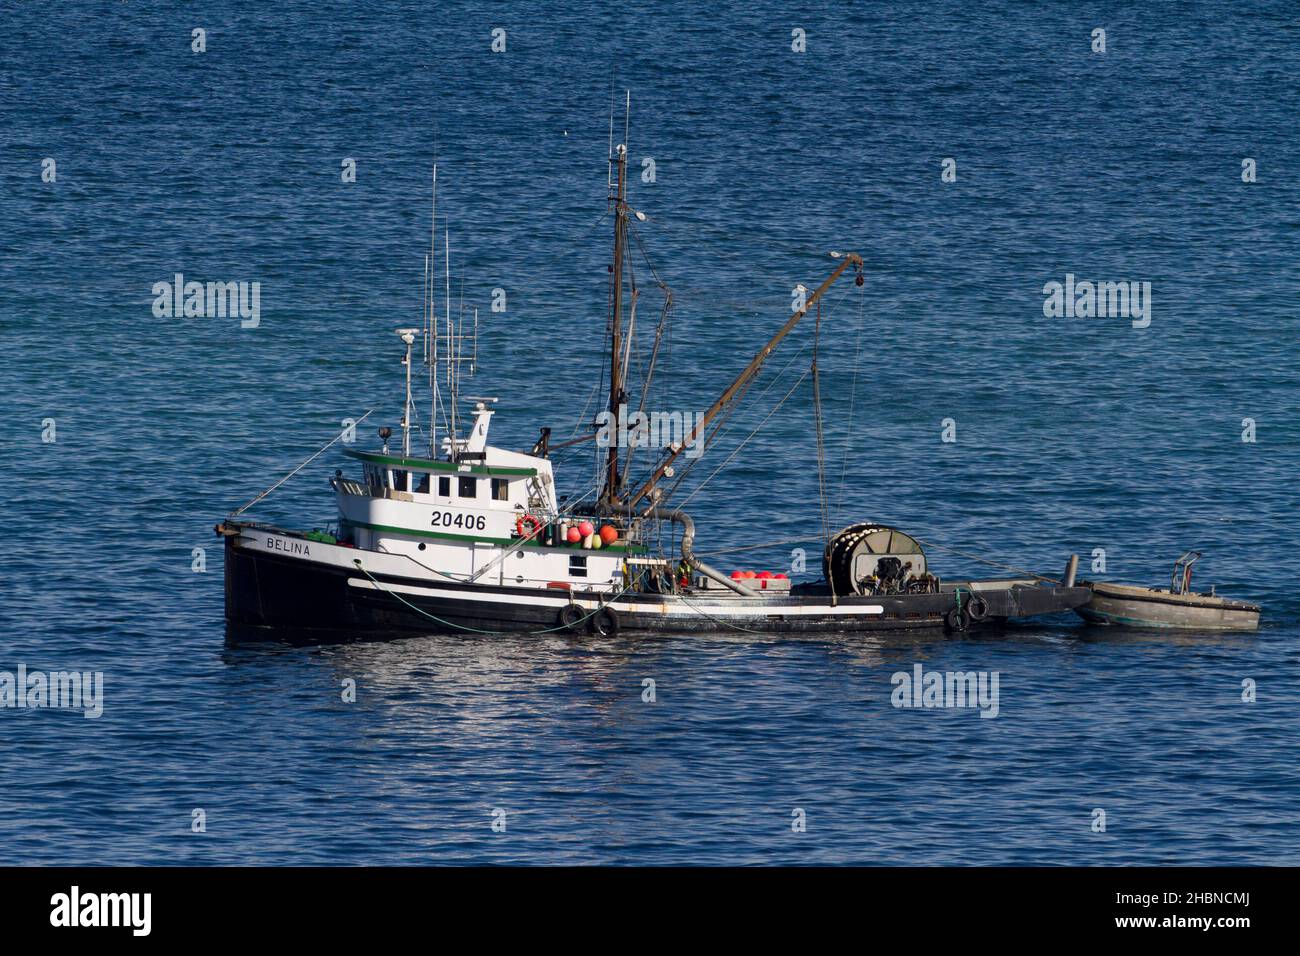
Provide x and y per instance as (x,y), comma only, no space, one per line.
(270,593)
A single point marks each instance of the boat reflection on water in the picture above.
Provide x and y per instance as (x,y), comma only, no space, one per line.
(561,657)
(1166,637)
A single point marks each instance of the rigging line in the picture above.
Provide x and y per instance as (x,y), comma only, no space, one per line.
(739,399)
(560,512)
(700,487)
(649,372)
(680,229)
(690,293)
(725,421)
(707,295)
(626,359)
(754,547)
(592,228)
(819,425)
(853,397)
(441,405)
(238,511)
(736,403)
(663,287)
(645,254)
(982,560)
(607,363)
(929,544)
(582,419)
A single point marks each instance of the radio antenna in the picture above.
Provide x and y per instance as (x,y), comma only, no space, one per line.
(431,343)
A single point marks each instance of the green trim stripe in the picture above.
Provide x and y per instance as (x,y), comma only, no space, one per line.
(429,464)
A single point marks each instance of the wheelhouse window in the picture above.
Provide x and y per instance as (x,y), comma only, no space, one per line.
(500,489)
(400,479)
(444,486)
(421,483)
(577,566)
(467,487)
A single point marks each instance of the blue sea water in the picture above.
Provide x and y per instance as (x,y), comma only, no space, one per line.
(1073,434)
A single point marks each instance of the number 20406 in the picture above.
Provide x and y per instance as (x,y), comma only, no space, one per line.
(445,519)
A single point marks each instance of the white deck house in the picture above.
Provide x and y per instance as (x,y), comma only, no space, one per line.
(457,518)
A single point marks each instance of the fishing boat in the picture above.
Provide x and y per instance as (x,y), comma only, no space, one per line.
(464,536)
(1177,606)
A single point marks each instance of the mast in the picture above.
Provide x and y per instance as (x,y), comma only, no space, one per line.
(617,393)
(750,370)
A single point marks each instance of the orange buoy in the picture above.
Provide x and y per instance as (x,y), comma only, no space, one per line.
(765,575)
(573,536)
(585,528)
(737,575)
(609,534)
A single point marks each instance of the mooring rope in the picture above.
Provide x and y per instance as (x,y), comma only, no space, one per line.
(709,617)
(546,630)
(601,605)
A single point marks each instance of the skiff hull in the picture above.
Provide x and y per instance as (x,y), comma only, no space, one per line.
(1130,606)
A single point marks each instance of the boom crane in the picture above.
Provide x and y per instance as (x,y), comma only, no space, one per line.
(750,370)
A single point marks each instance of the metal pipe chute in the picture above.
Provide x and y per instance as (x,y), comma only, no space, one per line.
(677,516)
